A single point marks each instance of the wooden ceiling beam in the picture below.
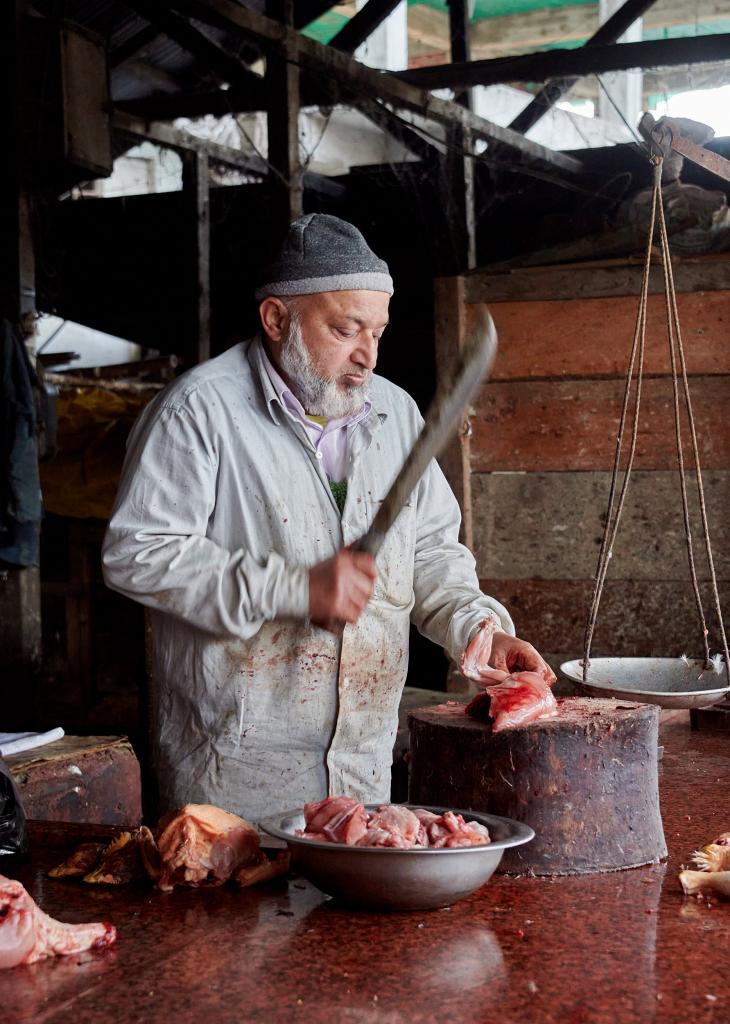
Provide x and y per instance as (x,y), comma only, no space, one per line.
(174,138)
(428,28)
(363,24)
(217,102)
(539,67)
(331,66)
(611,30)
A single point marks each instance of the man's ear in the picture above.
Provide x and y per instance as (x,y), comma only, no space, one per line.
(274,318)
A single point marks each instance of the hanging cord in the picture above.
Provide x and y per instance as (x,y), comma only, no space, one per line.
(672,327)
(611,525)
(676,347)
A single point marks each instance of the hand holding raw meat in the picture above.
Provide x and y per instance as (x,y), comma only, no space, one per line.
(516,678)
(490,649)
(27,934)
(476,657)
(510,654)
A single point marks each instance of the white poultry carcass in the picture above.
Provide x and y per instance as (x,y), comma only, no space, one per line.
(28,934)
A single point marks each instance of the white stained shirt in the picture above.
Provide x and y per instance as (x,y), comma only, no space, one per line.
(221,510)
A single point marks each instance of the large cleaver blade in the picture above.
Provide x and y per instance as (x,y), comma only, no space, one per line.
(470,369)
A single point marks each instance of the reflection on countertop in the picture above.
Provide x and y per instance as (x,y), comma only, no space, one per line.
(620,947)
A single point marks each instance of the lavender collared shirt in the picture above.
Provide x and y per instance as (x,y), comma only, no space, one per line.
(331,442)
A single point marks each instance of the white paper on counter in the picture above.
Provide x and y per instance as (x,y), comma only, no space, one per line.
(17,742)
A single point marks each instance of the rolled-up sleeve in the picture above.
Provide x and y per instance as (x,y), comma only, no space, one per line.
(448,601)
(156,549)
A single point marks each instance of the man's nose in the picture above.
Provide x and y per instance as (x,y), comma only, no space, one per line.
(366,353)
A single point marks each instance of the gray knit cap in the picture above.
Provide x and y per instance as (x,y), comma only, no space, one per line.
(323,254)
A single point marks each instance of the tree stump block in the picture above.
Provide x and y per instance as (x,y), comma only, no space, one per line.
(586,781)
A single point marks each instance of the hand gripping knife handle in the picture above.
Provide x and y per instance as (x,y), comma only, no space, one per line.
(469,371)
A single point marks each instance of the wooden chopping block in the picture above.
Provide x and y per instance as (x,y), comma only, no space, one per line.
(80,779)
(586,781)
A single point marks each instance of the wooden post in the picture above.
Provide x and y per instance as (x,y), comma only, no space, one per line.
(282,114)
(450,315)
(196,185)
(20,600)
(458,167)
(452,319)
(17,268)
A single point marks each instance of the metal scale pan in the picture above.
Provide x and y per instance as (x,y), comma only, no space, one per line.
(668,682)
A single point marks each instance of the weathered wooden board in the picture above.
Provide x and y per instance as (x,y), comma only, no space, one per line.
(550,525)
(80,779)
(594,280)
(556,425)
(637,618)
(593,337)
(585,780)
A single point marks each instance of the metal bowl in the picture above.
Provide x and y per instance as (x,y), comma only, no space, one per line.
(389,879)
(668,682)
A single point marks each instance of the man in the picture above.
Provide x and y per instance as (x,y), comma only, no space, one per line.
(245,482)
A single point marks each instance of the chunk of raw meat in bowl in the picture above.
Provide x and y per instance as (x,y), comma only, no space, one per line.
(343,820)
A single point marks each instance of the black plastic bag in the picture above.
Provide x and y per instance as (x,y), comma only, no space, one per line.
(12,816)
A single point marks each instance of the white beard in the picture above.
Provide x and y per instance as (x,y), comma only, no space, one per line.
(320,396)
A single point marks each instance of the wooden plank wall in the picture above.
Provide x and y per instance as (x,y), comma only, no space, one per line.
(541,446)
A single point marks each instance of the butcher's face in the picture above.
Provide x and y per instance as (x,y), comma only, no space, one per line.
(328,347)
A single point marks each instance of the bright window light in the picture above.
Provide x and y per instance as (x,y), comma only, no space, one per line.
(710,106)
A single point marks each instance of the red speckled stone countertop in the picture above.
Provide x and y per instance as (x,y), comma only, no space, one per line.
(613,948)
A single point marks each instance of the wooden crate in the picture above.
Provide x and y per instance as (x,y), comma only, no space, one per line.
(532,465)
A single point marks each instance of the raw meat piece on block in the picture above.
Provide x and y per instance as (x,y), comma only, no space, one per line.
(513,699)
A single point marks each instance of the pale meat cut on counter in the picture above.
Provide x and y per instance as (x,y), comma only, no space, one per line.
(512,699)
(198,844)
(203,845)
(28,935)
(341,819)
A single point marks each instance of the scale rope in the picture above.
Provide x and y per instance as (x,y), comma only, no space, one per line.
(616,505)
